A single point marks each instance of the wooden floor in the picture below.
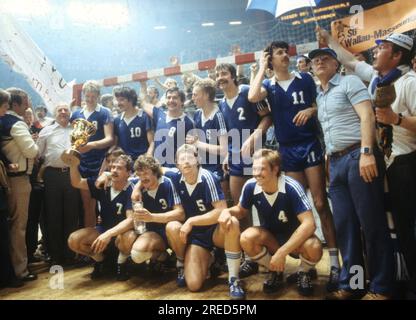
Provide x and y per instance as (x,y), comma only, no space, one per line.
(78,286)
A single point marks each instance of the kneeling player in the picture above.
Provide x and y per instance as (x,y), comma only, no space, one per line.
(116,212)
(192,241)
(161,204)
(286,222)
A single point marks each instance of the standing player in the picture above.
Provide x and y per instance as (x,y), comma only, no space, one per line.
(192,241)
(133,128)
(286,222)
(171,126)
(161,204)
(292,100)
(211,134)
(116,206)
(93,153)
(242,120)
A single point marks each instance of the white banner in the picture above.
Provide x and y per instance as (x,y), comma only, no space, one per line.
(22,54)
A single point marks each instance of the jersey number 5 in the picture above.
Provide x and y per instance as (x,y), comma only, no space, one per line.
(201,206)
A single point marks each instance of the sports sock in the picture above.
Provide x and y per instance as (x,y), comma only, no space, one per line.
(233,263)
(333,257)
(263,258)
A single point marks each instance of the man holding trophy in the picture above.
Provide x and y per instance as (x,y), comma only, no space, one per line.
(93,151)
(116,214)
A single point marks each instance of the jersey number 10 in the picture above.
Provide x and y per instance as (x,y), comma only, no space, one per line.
(135,132)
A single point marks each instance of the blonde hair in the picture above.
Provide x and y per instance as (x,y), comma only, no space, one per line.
(208,86)
(271,156)
(91,86)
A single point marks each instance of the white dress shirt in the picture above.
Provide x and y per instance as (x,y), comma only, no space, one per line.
(53,141)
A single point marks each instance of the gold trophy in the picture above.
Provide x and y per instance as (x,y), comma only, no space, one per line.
(82,131)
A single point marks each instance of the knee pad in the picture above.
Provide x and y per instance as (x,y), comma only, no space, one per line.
(140,256)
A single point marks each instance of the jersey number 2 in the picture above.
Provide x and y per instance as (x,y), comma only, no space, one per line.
(241,114)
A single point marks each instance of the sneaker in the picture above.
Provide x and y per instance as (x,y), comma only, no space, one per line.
(236,292)
(156,267)
(180,280)
(304,284)
(121,273)
(333,282)
(293,278)
(98,271)
(273,282)
(248,268)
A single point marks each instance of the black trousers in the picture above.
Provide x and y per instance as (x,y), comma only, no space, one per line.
(401,177)
(35,214)
(6,267)
(62,203)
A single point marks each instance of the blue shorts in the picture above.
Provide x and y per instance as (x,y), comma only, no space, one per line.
(100,229)
(202,236)
(238,167)
(159,229)
(90,167)
(298,157)
(282,239)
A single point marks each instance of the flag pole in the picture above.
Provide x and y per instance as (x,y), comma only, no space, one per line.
(313,14)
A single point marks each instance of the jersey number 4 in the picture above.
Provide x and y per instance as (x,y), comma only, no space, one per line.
(282,217)
(296,98)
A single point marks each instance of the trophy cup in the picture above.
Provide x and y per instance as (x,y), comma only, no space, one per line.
(82,131)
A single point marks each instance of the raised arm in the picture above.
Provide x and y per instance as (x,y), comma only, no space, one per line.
(257,92)
(344,56)
(76,180)
(151,141)
(148,108)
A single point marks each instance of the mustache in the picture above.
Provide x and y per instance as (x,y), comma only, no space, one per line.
(219,82)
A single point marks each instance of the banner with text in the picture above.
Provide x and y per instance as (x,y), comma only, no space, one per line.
(22,54)
(397,16)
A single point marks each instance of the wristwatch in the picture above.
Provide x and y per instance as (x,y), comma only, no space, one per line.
(400,120)
(366,150)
